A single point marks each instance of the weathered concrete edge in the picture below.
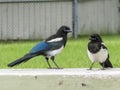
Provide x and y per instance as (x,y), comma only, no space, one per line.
(70,71)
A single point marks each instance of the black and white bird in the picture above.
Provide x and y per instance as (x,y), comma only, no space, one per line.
(97,52)
(48,48)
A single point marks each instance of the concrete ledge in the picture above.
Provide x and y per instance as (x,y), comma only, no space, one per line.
(63,79)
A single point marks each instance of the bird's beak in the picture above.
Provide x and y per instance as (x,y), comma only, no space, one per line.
(92,38)
(68,31)
(89,38)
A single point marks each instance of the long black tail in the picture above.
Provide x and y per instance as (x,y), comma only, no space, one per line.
(20,60)
(107,64)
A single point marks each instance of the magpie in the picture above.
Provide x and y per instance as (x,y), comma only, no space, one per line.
(49,48)
(97,52)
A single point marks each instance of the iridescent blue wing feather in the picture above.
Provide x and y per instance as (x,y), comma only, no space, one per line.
(42,46)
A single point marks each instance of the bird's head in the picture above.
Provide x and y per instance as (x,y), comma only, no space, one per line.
(95,38)
(64,30)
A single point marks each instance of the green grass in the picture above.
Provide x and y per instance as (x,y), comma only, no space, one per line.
(73,56)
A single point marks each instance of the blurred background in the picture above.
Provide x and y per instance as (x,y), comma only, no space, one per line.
(23,23)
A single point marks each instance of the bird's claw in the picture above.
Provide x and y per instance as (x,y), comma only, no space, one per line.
(55,68)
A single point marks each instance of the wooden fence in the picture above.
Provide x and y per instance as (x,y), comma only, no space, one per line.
(38,19)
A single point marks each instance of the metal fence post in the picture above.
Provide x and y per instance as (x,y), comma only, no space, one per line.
(75,18)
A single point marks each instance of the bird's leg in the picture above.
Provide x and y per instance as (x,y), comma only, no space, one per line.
(52,58)
(103,66)
(48,63)
(91,66)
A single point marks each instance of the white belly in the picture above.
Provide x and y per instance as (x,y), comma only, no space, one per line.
(54,52)
(100,56)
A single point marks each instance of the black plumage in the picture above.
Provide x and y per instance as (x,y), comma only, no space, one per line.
(97,52)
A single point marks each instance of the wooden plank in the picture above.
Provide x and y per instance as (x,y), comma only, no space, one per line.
(43,19)
(69,14)
(4,1)
(10,21)
(20,18)
(108,15)
(26,20)
(100,13)
(4,21)
(31,21)
(15,18)
(37,20)
(53,17)
(115,16)
(47,19)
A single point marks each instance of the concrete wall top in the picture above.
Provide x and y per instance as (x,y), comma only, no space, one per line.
(76,71)
(59,79)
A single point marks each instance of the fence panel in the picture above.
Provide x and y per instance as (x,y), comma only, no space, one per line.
(98,16)
(38,19)
(34,20)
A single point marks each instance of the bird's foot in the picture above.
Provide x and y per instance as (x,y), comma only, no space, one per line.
(103,69)
(89,69)
(55,68)
(58,68)
(50,68)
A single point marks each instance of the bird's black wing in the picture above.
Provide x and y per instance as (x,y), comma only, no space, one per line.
(107,63)
(103,46)
(51,37)
(55,45)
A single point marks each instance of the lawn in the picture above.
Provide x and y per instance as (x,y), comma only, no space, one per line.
(73,56)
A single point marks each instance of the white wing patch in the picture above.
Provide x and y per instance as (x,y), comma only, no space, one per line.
(103,43)
(56,39)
